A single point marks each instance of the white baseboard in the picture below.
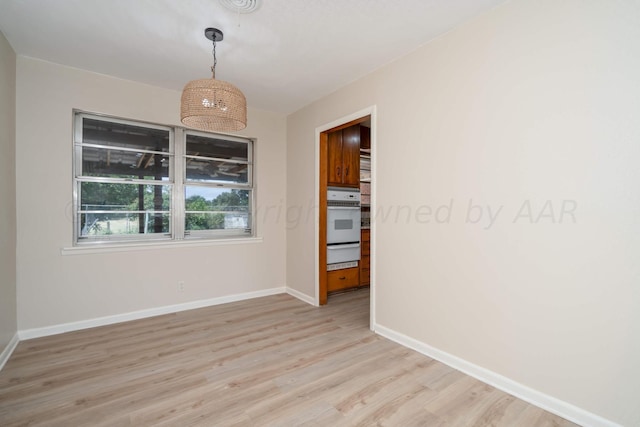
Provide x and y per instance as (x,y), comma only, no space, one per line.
(302,297)
(141,314)
(8,350)
(537,398)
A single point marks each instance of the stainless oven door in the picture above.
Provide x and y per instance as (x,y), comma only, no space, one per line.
(343,224)
(343,253)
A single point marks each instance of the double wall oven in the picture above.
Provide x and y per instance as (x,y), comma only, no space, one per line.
(343,228)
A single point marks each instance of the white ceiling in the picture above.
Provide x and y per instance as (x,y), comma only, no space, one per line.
(283,56)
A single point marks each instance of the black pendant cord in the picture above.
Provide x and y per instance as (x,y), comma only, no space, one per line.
(215,60)
(215,35)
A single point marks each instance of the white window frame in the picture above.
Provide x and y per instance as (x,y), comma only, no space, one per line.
(177,180)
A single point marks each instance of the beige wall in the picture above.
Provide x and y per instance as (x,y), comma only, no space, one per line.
(54,289)
(534,104)
(8,326)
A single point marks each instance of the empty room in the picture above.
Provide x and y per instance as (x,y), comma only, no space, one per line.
(335,213)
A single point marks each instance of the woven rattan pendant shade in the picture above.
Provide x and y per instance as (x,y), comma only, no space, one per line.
(210,104)
(213,105)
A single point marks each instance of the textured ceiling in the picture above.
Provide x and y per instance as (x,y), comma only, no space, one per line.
(283,56)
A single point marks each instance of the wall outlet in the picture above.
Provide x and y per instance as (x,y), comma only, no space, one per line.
(180,286)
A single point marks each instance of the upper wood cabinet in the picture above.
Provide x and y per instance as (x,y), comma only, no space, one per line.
(344,157)
(365,138)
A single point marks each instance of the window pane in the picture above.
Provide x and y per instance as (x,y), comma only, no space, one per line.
(103,226)
(217,148)
(104,162)
(99,196)
(123,209)
(209,208)
(102,132)
(211,159)
(200,170)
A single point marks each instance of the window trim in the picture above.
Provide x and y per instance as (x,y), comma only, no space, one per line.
(177,235)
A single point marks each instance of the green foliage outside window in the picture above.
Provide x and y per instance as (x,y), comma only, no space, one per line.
(233,201)
(118,197)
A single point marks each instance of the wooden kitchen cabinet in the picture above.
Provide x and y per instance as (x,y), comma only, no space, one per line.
(343,149)
(338,280)
(365,138)
(365,265)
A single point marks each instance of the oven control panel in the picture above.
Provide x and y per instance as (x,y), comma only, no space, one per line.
(344,197)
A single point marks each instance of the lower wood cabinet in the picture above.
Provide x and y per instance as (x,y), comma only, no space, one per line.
(343,279)
(365,265)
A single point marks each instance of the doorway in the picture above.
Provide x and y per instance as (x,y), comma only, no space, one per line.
(325,178)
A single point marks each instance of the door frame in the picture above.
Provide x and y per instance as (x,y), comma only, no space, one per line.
(321,201)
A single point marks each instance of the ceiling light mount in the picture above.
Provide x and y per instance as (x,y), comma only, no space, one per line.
(214,34)
(210,104)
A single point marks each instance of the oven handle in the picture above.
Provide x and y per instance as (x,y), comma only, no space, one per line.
(349,246)
(357,208)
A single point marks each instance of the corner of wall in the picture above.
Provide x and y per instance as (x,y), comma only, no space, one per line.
(8,350)
(8,222)
(302,297)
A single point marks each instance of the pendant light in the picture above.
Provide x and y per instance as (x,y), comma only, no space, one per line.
(210,104)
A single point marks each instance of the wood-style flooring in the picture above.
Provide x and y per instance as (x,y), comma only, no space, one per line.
(271,361)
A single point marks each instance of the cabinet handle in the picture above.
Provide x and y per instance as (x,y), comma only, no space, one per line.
(338,170)
(347,171)
(343,278)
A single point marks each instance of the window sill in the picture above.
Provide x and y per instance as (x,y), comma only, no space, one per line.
(143,246)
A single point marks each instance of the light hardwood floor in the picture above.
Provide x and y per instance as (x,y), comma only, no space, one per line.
(271,361)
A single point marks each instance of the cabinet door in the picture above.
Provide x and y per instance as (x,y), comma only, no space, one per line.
(351,156)
(365,137)
(334,163)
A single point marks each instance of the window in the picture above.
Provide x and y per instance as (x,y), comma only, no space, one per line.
(139,181)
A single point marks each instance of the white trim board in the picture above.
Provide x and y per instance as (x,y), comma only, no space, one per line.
(8,350)
(534,397)
(141,314)
(302,297)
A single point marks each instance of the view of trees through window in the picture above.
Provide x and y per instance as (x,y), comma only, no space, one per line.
(135,208)
(113,208)
(203,214)
(130,184)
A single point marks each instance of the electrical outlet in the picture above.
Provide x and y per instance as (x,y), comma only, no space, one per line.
(180,286)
